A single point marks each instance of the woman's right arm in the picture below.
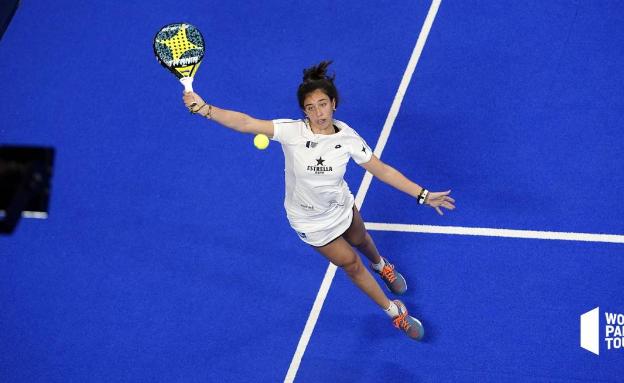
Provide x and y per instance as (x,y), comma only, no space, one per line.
(240,122)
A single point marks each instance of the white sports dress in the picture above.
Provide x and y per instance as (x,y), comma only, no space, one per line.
(318,202)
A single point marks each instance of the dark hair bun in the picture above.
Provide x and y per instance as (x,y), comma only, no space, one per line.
(317,72)
(316,78)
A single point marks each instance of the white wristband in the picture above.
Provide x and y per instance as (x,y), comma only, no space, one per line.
(422,197)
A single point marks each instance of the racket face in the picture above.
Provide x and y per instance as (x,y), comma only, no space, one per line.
(179,47)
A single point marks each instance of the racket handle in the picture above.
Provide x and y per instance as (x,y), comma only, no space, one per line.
(188,83)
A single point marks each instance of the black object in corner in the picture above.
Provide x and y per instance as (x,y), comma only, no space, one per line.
(25,173)
(7,10)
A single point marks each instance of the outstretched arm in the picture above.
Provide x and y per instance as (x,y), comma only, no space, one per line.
(230,119)
(394,178)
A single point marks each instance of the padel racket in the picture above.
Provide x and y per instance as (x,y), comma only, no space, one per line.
(179,47)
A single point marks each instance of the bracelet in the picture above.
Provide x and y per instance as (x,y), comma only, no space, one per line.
(422,197)
(208,115)
(198,109)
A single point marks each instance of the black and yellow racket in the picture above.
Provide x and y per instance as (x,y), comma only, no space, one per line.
(179,47)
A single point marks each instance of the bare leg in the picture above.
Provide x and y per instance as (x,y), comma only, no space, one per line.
(340,253)
(358,236)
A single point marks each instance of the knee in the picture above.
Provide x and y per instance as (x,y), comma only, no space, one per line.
(360,239)
(353,267)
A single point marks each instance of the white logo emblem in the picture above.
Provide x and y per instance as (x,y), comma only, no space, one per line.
(590,331)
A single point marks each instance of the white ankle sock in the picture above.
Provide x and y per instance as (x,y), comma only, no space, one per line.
(380,265)
(392,310)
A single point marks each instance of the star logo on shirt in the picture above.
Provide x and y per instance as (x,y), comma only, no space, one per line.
(319,161)
(364,148)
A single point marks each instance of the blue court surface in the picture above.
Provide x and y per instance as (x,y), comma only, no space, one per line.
(167,256)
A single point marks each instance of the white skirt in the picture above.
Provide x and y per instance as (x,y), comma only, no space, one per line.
(325,236)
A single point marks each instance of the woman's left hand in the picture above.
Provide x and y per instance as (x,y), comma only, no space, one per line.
(437,200)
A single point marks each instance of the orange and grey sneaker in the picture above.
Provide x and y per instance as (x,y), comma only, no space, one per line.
(393,279)
(408,324)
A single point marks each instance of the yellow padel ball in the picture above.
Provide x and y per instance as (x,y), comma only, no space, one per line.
(261,141)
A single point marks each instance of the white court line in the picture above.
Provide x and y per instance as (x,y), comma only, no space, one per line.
(489,232)
(359,199)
